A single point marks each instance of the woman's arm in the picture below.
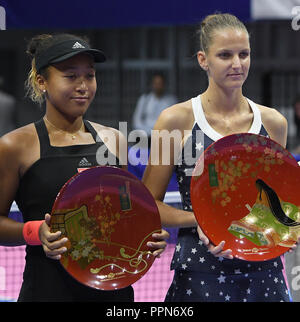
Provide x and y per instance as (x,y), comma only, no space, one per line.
(10,230)
(275,124)
(169,129)
(156,179)
(14,148)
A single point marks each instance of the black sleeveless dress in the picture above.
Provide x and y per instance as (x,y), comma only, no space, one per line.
(44,279)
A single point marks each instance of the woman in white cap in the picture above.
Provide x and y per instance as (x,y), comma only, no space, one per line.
(37,159)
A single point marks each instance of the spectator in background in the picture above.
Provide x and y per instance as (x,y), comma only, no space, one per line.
(149,106)
(7,109)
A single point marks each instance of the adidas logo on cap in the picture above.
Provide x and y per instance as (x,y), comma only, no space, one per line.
(77,45)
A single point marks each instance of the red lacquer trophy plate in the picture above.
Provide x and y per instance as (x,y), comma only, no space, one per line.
(245,191)
(108,216)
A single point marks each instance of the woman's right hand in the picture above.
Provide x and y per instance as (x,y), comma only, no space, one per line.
(52,244)
(217,251)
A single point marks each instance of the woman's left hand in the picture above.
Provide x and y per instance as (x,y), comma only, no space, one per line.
(160,244)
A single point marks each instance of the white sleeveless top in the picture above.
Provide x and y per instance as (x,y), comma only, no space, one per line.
(200,119)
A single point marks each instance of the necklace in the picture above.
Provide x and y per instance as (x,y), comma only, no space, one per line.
(72,134)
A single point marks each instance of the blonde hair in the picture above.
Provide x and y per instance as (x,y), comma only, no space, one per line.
(35,46)
(214,22)
(31,86)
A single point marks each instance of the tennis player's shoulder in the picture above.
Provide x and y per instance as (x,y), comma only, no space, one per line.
(178,116)
(271,117)
(19,141)
(275,124)
(105,131)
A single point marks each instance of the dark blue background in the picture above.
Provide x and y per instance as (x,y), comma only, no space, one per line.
(83,14)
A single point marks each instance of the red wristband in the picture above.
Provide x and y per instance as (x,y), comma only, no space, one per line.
(31,232)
